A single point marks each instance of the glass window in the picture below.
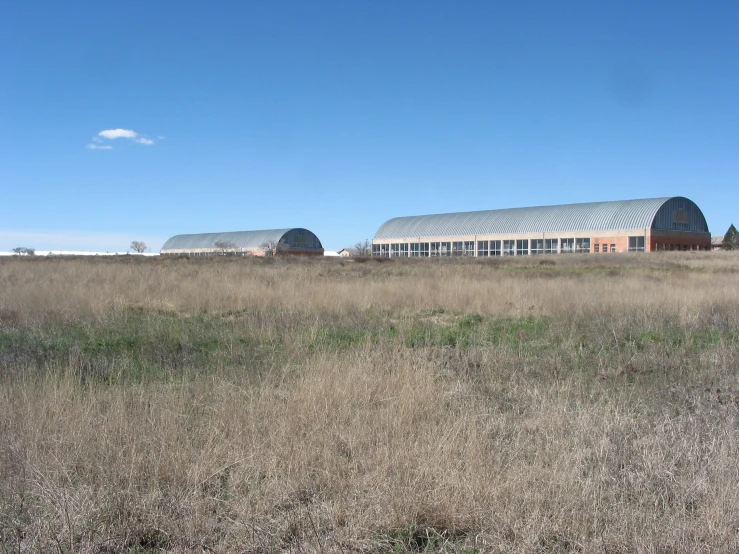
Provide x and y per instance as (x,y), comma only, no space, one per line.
(394,250)
(404,249)
(537,246)
(415,249)
(424,250)
(567,246)
(495,248)
(636,244)
(613,248)
(509,247)
(375,249)
(597,248)
(469,248)
(550,246)
(441,248)
(457,249)
(522,247)
(582,246)
(482,248)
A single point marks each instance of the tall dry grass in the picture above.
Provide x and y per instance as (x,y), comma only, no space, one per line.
(612,429)
(89,290)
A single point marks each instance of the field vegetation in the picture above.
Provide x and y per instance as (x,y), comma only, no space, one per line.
(534,404)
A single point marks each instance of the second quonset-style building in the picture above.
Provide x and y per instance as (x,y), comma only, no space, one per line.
(295,242)
(645,225)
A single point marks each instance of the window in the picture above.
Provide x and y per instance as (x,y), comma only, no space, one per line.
(482,248)
(636,244)
(567,246)
(398,249)
(424,249)
(415,250)
(550,246)
(613,248)
(441,248)
(582,246)
(469,248)
(509,247)
(597,248)
(522,247)
(495,248)
(375,249)
(537,246)
(457,249)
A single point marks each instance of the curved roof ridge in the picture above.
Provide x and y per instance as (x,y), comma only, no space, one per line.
(586,216)
(241,239)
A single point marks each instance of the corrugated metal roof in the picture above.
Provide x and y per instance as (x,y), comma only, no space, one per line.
(591,216)
(241,239)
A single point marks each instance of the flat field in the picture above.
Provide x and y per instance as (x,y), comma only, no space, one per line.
(534,404)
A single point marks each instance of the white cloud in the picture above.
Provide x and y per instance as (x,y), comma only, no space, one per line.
(113,134)
(118,133)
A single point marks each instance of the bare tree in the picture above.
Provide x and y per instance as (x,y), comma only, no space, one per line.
(24,251)
(138,246)
(225,246)
(274,247)
(364,248)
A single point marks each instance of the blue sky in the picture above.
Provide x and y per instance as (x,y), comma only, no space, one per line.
(336,116)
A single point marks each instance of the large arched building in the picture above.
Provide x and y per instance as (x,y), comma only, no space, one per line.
(298,241)
(596,227)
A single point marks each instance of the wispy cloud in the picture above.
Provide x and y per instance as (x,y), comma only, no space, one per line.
(113,134)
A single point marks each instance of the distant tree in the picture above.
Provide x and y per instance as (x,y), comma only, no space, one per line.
(274,247)
(138,246)
(731,239)
(225,246)
(364,247)
(24,251)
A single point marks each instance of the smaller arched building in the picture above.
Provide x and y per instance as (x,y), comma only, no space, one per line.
(645,225)
(292,242)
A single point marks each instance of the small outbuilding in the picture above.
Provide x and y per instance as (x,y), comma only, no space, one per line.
(272,242)
(348,252)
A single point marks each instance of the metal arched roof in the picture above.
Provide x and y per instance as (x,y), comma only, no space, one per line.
(591,216)
(239,239)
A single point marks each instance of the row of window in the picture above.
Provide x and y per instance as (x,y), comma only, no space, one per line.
(665,246)
(520,247)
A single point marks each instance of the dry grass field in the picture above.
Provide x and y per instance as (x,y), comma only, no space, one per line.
(538,405)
